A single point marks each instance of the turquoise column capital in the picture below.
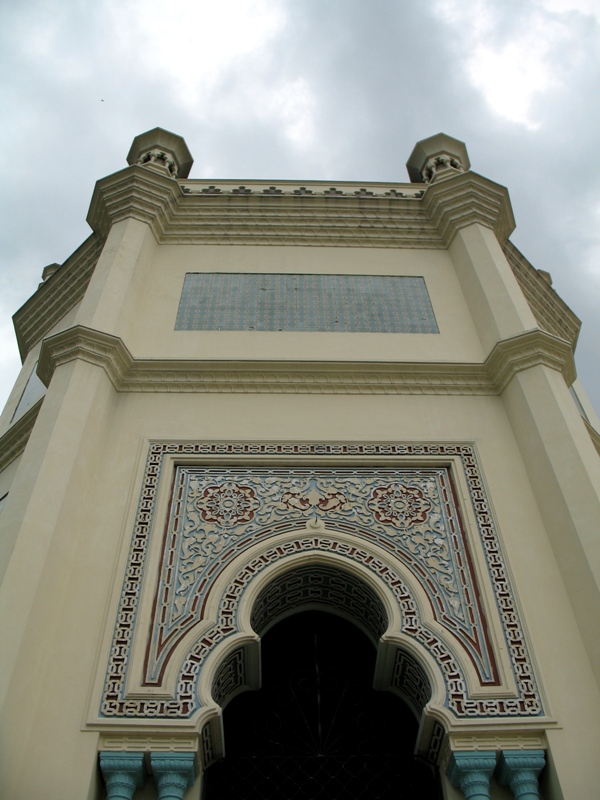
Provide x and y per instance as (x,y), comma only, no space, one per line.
(471,771)
(173,774)
(123,774)
(520,770)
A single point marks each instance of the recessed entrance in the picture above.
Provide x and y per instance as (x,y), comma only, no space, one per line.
(317,729)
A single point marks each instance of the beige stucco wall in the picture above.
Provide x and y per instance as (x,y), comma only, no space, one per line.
(6,417)
(148,316)
(81,515)
(74,491)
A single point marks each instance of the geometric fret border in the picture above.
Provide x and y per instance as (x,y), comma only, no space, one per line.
(115,705)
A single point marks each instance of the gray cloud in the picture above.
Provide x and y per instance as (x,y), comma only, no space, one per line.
(338,90)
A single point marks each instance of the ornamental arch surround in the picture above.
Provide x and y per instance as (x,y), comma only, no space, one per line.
(228,539)
(323,572)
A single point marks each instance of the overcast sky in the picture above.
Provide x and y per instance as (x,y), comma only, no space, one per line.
(303,89)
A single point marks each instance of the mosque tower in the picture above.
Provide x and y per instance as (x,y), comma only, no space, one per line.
(322,439)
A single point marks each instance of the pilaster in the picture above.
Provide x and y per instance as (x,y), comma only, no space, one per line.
(45,527)
(116,274)
(564,471)
(497,305)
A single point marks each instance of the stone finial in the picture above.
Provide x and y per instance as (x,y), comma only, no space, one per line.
(436,158)
(49,271)
(163,151)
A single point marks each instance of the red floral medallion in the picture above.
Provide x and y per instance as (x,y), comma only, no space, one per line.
(399,505)
(228,504)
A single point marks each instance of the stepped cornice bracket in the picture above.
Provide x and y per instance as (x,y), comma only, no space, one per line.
(129,374)
(92,346)
(528,350)
(465,199)
(136,192)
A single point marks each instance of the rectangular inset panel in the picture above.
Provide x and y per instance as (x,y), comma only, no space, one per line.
(233,514)
(275,302)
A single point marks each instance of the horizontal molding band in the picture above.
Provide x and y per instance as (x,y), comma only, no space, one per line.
(372,216)
(129,374)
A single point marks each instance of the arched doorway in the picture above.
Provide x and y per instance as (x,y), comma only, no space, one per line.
(316,728)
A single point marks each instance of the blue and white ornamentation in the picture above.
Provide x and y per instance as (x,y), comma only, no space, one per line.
(409,512)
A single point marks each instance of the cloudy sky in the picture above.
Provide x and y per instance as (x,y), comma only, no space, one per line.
(303,89)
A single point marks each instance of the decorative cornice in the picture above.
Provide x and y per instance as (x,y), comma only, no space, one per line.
(129,374)
(13,442)
(314,213)
(343,220)
(465,199)
(317,214)
(551,312)
(57,295)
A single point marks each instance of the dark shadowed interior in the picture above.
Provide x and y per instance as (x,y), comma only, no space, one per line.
(317,729)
